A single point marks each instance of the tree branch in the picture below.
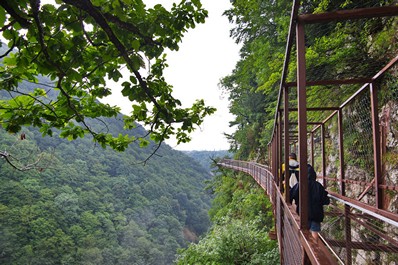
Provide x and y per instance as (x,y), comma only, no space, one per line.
(130,27)
(25,23)
(35,4)
(100,19)
(19,166)
(9,50)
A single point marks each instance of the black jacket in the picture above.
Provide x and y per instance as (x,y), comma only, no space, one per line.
(318,197)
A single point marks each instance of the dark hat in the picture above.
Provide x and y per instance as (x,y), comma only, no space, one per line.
(293,155)
(311,172)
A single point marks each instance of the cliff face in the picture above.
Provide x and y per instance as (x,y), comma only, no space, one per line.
(358,156)
(359,171)
(389,134)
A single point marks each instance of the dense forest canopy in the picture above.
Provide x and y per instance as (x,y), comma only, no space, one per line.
(88,205)
(79,45)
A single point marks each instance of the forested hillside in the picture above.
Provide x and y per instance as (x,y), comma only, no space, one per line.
(75,202)
(87,205)
(207,158)
(81,204)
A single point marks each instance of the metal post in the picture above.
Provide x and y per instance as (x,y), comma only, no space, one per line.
(376,145)
(273,160)
(277,155)
(302,125)
(323,155)
(269,154)
(348,238)
(312,150)
(341,151)
(383,150)
(280,150)
(286,145)
(347,220)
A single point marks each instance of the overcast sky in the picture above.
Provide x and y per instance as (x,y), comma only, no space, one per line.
(206,54)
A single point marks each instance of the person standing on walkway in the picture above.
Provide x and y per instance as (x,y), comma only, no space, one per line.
(293,170)
(317,198)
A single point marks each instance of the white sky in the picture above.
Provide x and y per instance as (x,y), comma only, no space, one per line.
(206,54)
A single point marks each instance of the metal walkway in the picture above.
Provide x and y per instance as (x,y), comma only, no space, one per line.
(340,239)
(350,138)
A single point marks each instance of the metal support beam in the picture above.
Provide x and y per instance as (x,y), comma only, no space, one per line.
(341,15)
(269,154)
(312,149)
(279,157)
(364,246)
(376,145)
(323,155)
(348,237)
(333,82)
(341,152)
(273,156)
(286,140)
(302,125)
(316,109)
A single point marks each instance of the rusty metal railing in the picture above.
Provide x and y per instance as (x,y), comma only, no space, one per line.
(378,244)
(295,245)
(349,136)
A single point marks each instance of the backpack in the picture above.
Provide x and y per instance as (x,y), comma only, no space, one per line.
(293,173)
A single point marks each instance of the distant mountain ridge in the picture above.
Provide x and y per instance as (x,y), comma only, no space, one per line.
(205,158)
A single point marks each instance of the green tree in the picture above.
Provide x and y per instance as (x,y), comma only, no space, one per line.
(261,28)
(242,217)
(232,241)
(79,45)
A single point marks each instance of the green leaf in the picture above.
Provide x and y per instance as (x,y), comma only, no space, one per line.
(126,91)
(135,44)
(39,92)
(136,62)
(133,80)
(2,16)
(49,117)
(143,142)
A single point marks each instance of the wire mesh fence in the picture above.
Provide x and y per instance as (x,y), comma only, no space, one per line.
(388,113)
(354,235)
(357,237)
(292,249)
(308,6)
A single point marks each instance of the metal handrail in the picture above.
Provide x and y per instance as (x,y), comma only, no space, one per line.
(375,215)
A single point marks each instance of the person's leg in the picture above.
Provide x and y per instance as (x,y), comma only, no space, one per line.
(315,235)
(315,228)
